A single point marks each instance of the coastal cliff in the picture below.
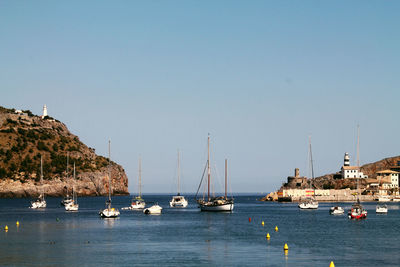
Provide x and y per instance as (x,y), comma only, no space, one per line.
(25,138)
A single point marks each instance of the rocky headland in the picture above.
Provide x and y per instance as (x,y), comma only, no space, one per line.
(25,138)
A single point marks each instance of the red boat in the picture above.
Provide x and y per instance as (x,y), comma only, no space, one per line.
(357,211)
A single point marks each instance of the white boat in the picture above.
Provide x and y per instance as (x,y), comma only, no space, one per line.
(109,212)
(178,201)
(383,199)
(222,203)
(337,210)
(155,209)
(138,203)
(73,205)
(357,211)
(309,202)
(381,208)
(67,199)
(40,202)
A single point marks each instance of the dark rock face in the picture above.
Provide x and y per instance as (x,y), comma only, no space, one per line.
(25,138)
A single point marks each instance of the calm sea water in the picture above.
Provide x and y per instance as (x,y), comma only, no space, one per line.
(188,237)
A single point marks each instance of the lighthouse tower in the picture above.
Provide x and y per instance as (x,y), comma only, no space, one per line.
(44,111)
(346,159)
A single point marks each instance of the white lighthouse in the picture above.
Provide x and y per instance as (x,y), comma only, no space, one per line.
(44,111)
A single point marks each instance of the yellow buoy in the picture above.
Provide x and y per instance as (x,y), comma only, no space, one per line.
(17,223)
(268,236)
(276,228)
(285,247)
(6,228)
(332,264)
(262,223)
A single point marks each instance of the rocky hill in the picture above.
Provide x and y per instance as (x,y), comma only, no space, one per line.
(25,138)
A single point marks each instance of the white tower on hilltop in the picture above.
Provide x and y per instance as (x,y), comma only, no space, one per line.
(346,159)
(44,111)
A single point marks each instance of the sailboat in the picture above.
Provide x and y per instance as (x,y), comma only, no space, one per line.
(357,211)
(309,202)
(178,201)
(40,202)
(109,212)
(138,202)
(222,203)
(73,205)
(67,199)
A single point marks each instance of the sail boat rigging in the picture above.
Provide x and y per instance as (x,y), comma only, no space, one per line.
(222,203)
(109,212)
(178,201)
(40,202)
(357,211)
(138,203)
(67,199)
(309,202)
(73,205)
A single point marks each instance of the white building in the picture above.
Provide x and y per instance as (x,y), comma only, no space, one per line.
(388,178)
(348,171)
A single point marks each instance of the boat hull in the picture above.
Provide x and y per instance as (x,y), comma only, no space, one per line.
(222,207)
(109,213)
(38,205)
(156,209)
(336,211)
(72,207)
(308,206)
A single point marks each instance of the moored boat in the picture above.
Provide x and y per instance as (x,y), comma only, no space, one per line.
(109,212)
(337,210)
(40,202)
(222,203)
(138,203)
(178,201)
(381,208)
(155,209)
(73,205)
(309,202)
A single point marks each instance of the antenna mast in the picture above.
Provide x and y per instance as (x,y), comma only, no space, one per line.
(208,167)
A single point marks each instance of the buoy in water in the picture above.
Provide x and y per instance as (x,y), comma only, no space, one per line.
(332,264)
(249,219)
(17,223)
(276,228)
(285,247)
(6,228)
(262,223)
(268,236)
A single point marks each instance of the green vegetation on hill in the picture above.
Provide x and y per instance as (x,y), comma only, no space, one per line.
(24,138)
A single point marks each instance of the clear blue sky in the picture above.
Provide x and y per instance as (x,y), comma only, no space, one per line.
(259,76)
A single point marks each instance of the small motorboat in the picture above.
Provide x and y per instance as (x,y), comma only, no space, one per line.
(357,211)
(155,209)
(178,202)
(109,213)
(383,209)
(336,210)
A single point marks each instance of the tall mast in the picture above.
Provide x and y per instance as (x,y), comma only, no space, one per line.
(358,146)
(73,187)
(208,167)
(311,162)
(140,176)
(109,170)
(67,169)
(179,174)
(226,177)
(41,175)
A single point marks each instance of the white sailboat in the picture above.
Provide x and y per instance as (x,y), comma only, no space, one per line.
(40,202)
(73,205)
(357,211)
(109,212)
(222,203)
(138,202)
(309,202)
(178,201)
(381,208)
(67,199)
